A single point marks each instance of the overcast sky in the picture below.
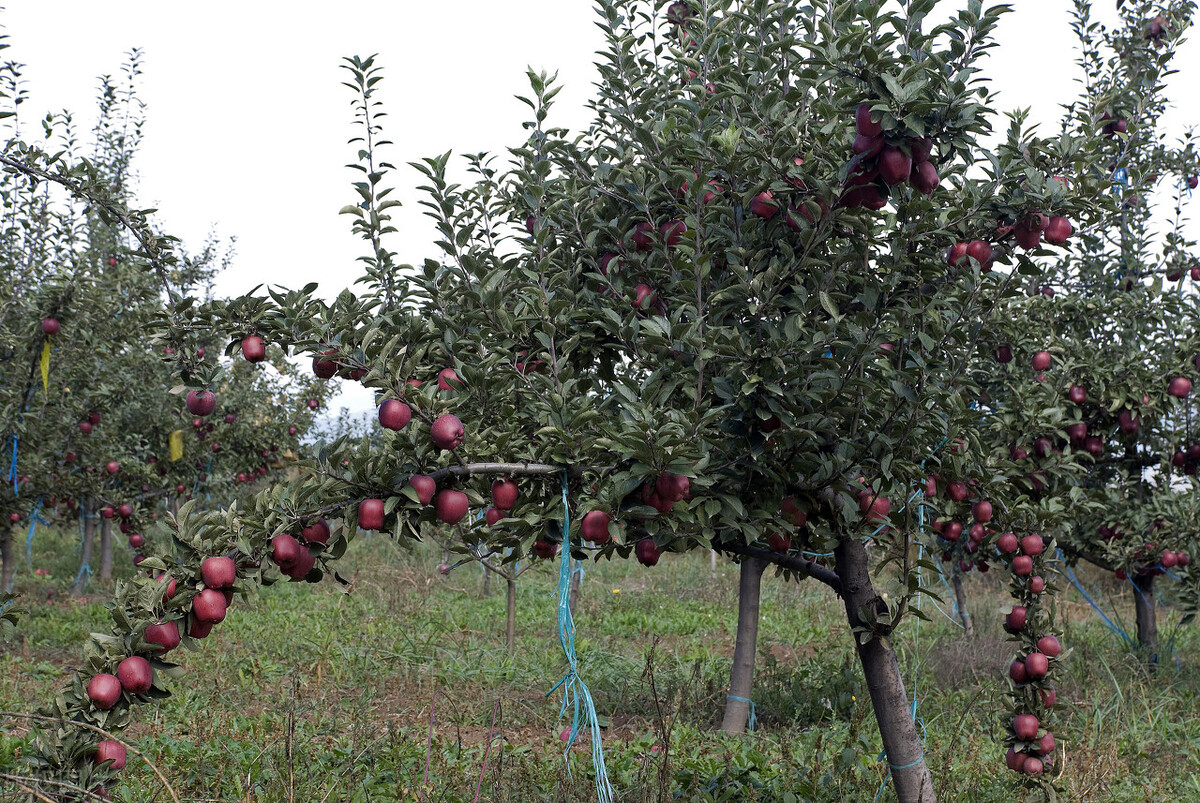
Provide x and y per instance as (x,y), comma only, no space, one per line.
(247,121)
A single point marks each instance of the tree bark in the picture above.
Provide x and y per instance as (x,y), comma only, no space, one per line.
(712,562)
(1147,620)
(85,561)
(901,742)
(960,599)
(487,581)
(8,563)
(741,676)
(106,550)
(510,624)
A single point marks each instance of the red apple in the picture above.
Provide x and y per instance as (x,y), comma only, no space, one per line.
(894,165)
(504,494)
(1007,543)
(1077,394)
(125,511)
(1015,619)
(982,511)
(425,486)
(1058,229)
(218,572)
(451,506)
(864,123)
(544,549)
(672,231)
(792,512)
(924,178)
(285,550)
(957,254)
(317,532)
(170,591)
(136,540)
(1048,697)
(370,514)
(394,414)
(164,634)
(1004,354)
(104,690)
(322,368)
(253,348)
(867,146)
(1022,565)
(108,750)
(493,515)
(1033,766)
(135,674)
(1037,665)
(198,629)
(1037,585)
(1049,646)
(50,326)
(672,487)
(779,543)
(594,527)
(643,236)
(957,491)
(1013,760)
(447,432)
(952,531)
(764,206)
(1041,361)
(201,402)
(448,380)
(209,606)
(1129,422)
(1180,387)
(981,252)
(644,296)
(1025,726)
(1016,671)
(303,565)
(1046,744)
(85,427)
(646,552)
(1032,545)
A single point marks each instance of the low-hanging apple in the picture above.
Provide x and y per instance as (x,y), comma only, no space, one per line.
(451,506)
(1025,726)
(253,348)
(394,414)
(447,432)
(505,493)
(647,552)
(163,634)
(209,606)
(201,402)
(108,750)
(104,690)
(317,532)
(1037,665)
(594,526)
(136,674)
(218,572)
(425,486)
(370,514)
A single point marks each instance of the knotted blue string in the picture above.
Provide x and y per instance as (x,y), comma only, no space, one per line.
(34,519)
(575,691)
(752,717)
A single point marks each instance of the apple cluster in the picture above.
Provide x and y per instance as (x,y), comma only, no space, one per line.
(959,497)
(1031,743)
(883,160)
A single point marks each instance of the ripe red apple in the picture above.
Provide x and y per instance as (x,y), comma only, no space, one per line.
(108,750)
(643,236)
(1041,361)
(1013,760)
(370,514)
(764,206)
(285,549)
(545,549)
(322,368)
(594,527)
(1037,585)
(1168,560)
(1049,646)
(894,165)
(1022,565)
(1046,744)
(1129,422)
(135,674)
(869,196)
(1037,665)
(1058,229)
(1032,545)
(448,380)
(1025,726)
(1015,619)
(930,487)
(952,531)
(646,552)
(107,511)
(957,254)
(875,508)
(1077,394)
(792,512)
(867,146)
(136,540)
(924,178)
(672,231)
(1004,354)
(317,532)
(302,566)
(253,348)
(779,543)
(505,493)
(447,432)
(1007,543)
(292,430)
(50,326)
(198,629)
(201,402)
(451,506)
(981,252)
(425,486)
(864,123)
(493,515)
(1016,671)
(164,634)
(209,606)
(957,491)
(394,414)
(672,487)
(982,511)
(218,572)
(85,427)
(170,592)
(1027,238)
(1180,387)
(104,690)
(1077,433)
(1033,767)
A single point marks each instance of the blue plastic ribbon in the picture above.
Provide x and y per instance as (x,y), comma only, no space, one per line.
(34,519)
(1070,575)
(12,467)
(752,717)
(575,691)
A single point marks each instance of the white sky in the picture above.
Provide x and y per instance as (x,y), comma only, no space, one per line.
(247,121)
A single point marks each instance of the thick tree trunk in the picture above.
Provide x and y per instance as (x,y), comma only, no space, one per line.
(85,561)
(901,742)
(960,599)
(106,550)
(1147,615)
(741,677)
(8,562)
(510,624)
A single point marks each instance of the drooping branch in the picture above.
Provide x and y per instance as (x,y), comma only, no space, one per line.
(796,563)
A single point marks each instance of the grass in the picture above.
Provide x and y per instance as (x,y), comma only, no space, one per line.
(306,693)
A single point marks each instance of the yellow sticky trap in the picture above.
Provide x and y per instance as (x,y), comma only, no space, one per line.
(46,366)
(175,443)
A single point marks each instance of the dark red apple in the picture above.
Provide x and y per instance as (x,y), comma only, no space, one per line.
(1015,619)
(957,254)
(952,531)
(1180,387)
(218,572)
(317,532)
(644,296)
(370,514)
(1004,354)
(1027,238)
(108,750)
(1032,545)
(253,348)
(1025,726)
(1129,422)
(493,515)
(779,543)
(209,606)
(672,231)
(135,674)
(1007,543)
(981,252)
(1037,585)
(451,506)
(957,491)
(894,165)
(924,178)
(1077,394)
(643,236)
(867,146)
(1013,760)
(285,549)
(136,540)
(170,592)
(302,566)
(1048,696)
(504,494)
(764,206)
(448,380)
(594,527)
(1049,646)
(544,549)
(792,512)
(425,486)
(104,690)
(1041,361)
(1058,230)
(322,368)
(646,552)
(1033,767)
(394,414)
(982,511)
(1037,665)
(85,427)
(447,432)
(198,629)
(201,402)
(1016,671)
(864,123)
(164,634)
(1022,565)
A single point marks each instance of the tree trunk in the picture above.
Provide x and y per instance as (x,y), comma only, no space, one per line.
(510,624)
(573,595)
(85,561)
(901,742)
(1147,621)
(712,562)
(487,581)
(175,507)
(741,677)
(960,599)
(8,563)
(106,550)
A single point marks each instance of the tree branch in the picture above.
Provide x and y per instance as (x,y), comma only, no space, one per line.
(796,563)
